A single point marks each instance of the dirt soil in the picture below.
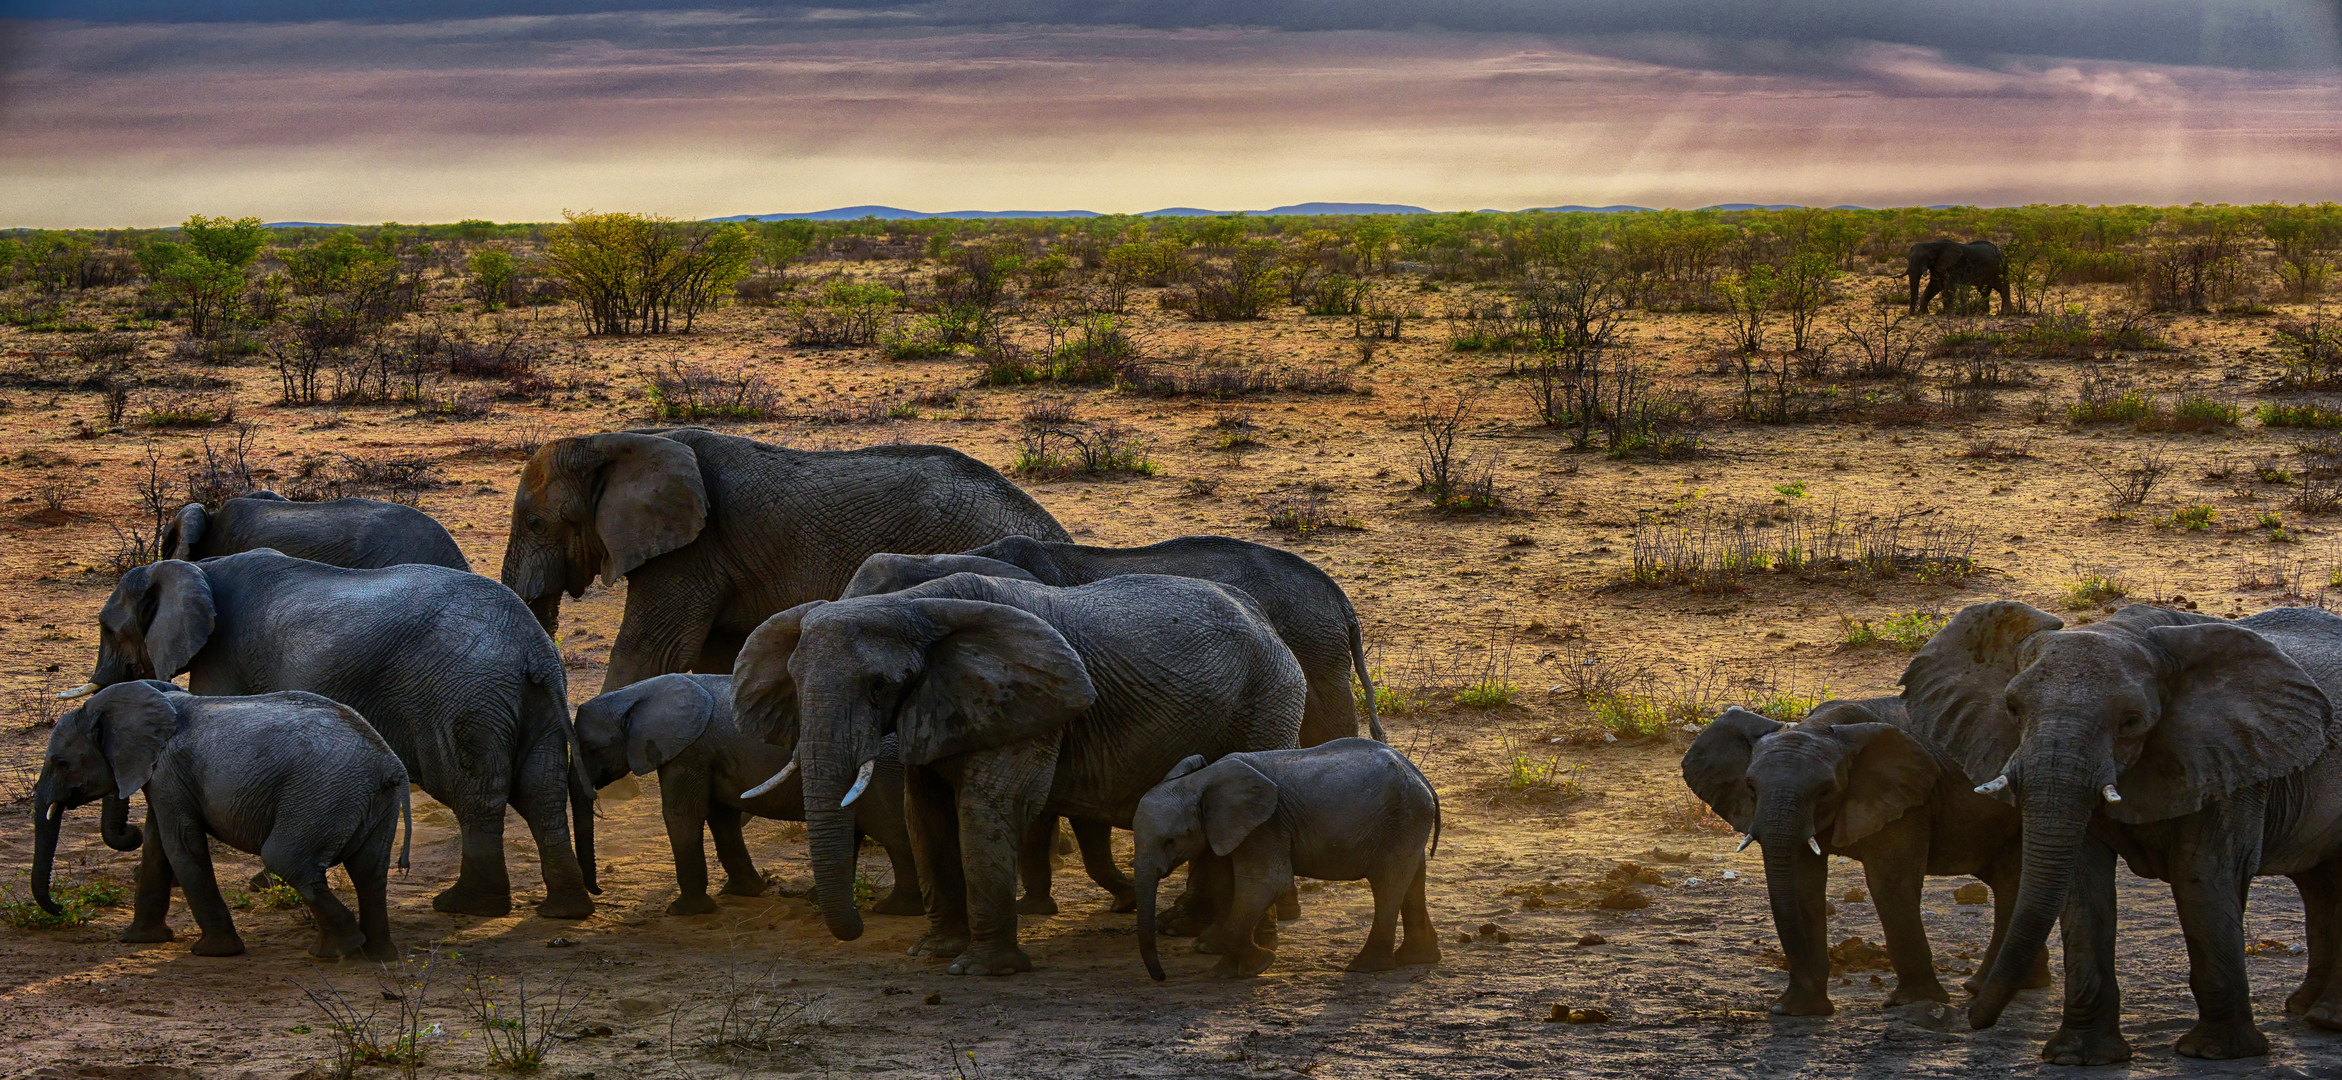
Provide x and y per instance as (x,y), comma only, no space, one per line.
(1541,807)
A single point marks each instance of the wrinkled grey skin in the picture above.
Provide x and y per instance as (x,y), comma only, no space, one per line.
(1338,811)
(448,666)
(680,727)
(1853,780)
(2216,736)
(1011,699)
(361,534)
(296,779)
(1950,266)
(1309,609)
(714,533)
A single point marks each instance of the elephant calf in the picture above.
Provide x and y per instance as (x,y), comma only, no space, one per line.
(1339,811)
(1851,781)
(294,778)
(361,534)
(680,727)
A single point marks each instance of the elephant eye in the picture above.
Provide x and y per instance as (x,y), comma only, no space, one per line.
(536,524)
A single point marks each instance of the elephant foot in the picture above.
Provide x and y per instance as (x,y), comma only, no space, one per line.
(2327,1015)
(1184,918)
(1288,907)
(145,935)
(463,901)
(1423,952)
(1371,960)
(1251,962)
(696,904)
(331,945)
(2086,1046)
(567,905)
(1803,1003)
(992,960)
(381,952)
(744,887)
(941,943)
(228,944)
(1906,993)
(1125,898)
(900,902)
(1033,903)
(2221,1042)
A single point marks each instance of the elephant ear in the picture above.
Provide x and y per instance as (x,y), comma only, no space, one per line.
(1887,773)
(651,500)
(2236,711)
(182,619)
(184,532)
(1186,765)
(1715,767)
(1955,689)
(764,694)
(887,572)
(994,675)
(669,714)
(133,722)
(1236,799)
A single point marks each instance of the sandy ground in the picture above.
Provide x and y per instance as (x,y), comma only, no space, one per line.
(1685,981)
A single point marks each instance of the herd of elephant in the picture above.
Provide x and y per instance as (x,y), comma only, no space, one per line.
(895,643)
(898,643)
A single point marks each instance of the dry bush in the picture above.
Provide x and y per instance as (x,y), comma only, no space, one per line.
(1456,480)
(691,393)
(399,478)
(2127,483)
(1303,509)
(1718,551)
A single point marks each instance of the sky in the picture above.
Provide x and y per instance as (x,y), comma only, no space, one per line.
(118,113)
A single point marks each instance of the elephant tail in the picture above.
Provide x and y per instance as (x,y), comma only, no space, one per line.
(1438,816)
(1365,679)
(406,809)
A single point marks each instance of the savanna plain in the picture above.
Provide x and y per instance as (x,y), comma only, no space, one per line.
(1585,487)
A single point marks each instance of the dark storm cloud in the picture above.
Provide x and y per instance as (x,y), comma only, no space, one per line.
(2269,34)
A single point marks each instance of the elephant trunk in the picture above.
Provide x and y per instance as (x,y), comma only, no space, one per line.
(1148,879)
(114,824)
(48,821)
(2056,808)
(829,835)
(547,609)
(1793,877)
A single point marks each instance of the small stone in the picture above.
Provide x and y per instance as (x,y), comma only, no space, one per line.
(1856,895)
(1588,1016)
(1623,899)
(559,943)
(1503,938)
(1464,939)
(1487,930)
(594,1031)
(1972,894)
(1592,939)
(934,998)
(1876,981)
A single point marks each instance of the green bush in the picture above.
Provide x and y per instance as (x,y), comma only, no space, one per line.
(2195,518)
(2199,413)
(2272,414)
(2129,407)
(79,904)
(1486,693)
(1906,631)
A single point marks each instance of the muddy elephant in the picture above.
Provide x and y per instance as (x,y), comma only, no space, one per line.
(298,780)
(1306,605)
(680,727)
(448,666)
(1950,266)
(1011,699)
(2199,750)
(714,533)
(1850,780)
(361,534)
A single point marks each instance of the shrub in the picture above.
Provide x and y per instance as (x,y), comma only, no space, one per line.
(1906,631)
(1055,447)
(843,313)
(2100,405)
(1457,481)
(1486,693)
(80,904)
(2197,412)
(2311,354)
(2272,414)
(2194,518)
(2095,588)
(688,393)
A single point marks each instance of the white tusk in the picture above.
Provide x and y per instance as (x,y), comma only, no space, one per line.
(1992,785)
(1745,841)
(1816,845)
(2111,794)
(861,781)
(777,780)
(84,690)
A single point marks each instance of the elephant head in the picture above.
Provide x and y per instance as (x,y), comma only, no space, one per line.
(2147,716)
(184,532)
(104,750)
(158,618)
(1836,778)
(1194,807)
(886,572)
(598,504)
(639,727)
(946,676)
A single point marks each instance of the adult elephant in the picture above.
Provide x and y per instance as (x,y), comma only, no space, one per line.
(2200,750)
(362,534)
(447,665)
(1305,604)
(1010,699)
(714,533)
(1950,265)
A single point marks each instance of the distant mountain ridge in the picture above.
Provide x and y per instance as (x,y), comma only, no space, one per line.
(896,213)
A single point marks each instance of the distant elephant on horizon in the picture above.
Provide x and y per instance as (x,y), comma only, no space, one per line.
(1950,265)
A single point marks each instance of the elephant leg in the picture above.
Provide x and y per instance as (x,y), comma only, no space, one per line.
(2090,1032)
(1035,852)
(664,629)
(1197,909)
(740,876)
(1097,843)
(1421,945)
(189,850)
(1255,885)
(151,909)
(1935,287)
(1000,794)
(481,887)
(1912,306)
(2319,1000)
(2210,891)
(543,802)
(1894,882)
(934,825)
(883,821)
(686,820)
(1390,891)
(294,858)
(2004,877)
(370,879)
(1328,712)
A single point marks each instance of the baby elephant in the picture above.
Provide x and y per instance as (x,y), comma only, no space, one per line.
(680,726)
(295,778)
(1338,811)
(1851,781)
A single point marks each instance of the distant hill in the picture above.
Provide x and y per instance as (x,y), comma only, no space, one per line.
(891,213)
(1573,208)
(1346,208)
